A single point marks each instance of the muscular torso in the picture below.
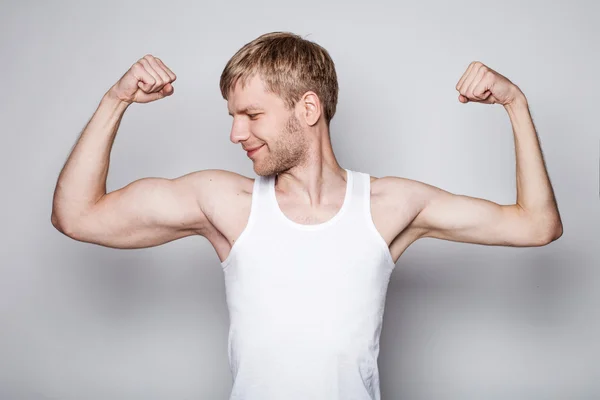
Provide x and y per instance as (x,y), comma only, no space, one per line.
(391,216)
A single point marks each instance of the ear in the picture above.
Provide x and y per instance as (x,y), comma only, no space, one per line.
(310,108)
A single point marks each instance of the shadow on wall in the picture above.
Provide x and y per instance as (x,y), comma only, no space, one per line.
(481,311)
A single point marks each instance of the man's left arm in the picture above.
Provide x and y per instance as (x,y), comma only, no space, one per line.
(533,220)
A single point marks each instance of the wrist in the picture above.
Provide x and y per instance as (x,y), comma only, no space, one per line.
(111,97)
(519,101)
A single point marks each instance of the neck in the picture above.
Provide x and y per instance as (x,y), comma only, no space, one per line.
(318,178)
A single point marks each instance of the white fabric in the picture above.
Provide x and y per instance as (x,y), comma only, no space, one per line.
(306,302)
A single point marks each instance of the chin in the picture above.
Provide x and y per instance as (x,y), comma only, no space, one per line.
(264,169)
(260,170)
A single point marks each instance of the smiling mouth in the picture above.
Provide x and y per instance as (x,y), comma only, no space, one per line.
(252,152)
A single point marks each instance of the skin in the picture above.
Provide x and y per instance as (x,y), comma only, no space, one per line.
(310,184)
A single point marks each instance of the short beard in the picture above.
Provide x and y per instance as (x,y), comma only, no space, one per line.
(289,150)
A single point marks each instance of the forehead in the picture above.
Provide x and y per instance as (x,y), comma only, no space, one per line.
(252,96)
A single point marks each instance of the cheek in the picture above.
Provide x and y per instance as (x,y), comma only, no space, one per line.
(256,128)
(264,128)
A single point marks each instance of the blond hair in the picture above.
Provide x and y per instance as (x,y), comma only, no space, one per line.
(289,67)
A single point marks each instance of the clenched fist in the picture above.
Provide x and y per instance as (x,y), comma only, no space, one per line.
(147,80)
(482,84)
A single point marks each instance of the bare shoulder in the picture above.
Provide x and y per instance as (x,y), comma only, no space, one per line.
(225,198)
(218,191)
(397,194)
(395,203)
(218,183)
(394,190)
(218,177)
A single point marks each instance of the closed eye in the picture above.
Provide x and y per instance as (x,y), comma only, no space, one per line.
(252,116)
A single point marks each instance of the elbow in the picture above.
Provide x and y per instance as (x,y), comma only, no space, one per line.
(549,235)
(63,225)
(543,228)
(56,222)
(556,233)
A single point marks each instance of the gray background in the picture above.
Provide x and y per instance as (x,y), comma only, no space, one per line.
(462,321)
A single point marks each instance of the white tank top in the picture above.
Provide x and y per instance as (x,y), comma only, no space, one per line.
(306,302)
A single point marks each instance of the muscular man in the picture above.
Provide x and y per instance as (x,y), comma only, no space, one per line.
(307,247)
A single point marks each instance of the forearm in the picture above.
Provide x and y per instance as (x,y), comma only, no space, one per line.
(82,181)
(534,190)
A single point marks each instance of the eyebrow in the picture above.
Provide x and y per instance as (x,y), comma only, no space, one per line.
(254,106)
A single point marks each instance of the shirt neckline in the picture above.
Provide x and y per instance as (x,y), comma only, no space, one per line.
(322,225)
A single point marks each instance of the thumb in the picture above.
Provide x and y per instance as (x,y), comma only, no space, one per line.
(167,90)
(462,99)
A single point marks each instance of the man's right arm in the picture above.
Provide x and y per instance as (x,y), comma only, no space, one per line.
(150,211)
(147,212)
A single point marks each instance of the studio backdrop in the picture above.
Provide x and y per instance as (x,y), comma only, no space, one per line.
(462,321)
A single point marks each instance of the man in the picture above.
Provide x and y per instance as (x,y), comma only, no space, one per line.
(307,248)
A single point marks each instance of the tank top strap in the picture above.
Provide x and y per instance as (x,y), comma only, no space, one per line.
(261,201)
(361,196)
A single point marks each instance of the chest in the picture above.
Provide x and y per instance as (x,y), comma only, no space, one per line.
(389,218)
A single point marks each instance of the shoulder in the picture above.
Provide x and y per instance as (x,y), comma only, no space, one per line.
(216,182)
(214,188)
(395,187)
(398,194)
(222,196)
(395,203)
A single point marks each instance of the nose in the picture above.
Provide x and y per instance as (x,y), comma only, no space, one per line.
(239,131)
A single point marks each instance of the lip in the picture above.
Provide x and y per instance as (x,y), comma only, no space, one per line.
(251,152)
